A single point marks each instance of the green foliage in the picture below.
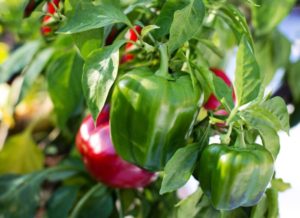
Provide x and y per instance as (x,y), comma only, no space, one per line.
(64,82)
(248,78)
(99,74)
(268,14)
(18,60)
(88,16)
(186,23)
(20,155)
(79,65)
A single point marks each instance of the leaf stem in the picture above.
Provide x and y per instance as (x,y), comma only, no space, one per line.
(232,114)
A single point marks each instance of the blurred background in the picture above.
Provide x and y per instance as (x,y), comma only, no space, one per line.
(26,104)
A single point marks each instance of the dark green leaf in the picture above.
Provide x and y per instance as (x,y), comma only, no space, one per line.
(61,201)
(294,80)
(96,201)
(186,24)
(89,16)
(247,74)
(179,168)
(100,72)
(34,69)
(17,191)
(18,60)
(267,14)
(89,41)
(64,85)
(165,18)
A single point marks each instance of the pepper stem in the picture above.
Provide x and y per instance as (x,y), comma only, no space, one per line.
(164,59)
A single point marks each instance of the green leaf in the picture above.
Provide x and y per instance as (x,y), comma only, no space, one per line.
(96,201)
(293,74)
(166,15)
(89,41)
(237,22)
(268,117)
(223,92)
(272,52)
(34,69)
(269,13)
(189,207)
(247,74)
(277,107)
(61,201)
(179,168)
(280,185)
(206,79)
(100,72)
(20,154)
(270,139)
(89,16)
(18,60)
(186,24)
(147,29)
(212,47)
(17,191)
(64,86)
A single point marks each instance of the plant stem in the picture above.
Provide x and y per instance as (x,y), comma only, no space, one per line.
(120,210)
(164,59)
(232,114)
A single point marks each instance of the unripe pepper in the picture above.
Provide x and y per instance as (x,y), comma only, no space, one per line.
(152,114)
(234,176)
(101,160)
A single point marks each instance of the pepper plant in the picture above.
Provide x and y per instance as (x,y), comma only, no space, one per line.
(150,78)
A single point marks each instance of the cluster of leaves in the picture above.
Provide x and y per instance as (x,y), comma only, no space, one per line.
(78,66)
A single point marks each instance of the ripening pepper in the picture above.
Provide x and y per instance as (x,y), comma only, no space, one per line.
(100,159)
(235,176)
(152,114)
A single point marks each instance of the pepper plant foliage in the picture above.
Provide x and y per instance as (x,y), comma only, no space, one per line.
(157,85)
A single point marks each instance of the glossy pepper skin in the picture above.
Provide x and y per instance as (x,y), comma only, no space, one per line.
(87,127)
(151,116)
(101,160)
(232,176)
(46,28)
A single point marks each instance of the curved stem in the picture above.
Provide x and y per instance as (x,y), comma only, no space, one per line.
(164,59)
(243,143)
(120,210)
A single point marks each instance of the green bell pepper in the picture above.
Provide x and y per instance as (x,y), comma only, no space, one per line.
(152,114)
(233,176)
